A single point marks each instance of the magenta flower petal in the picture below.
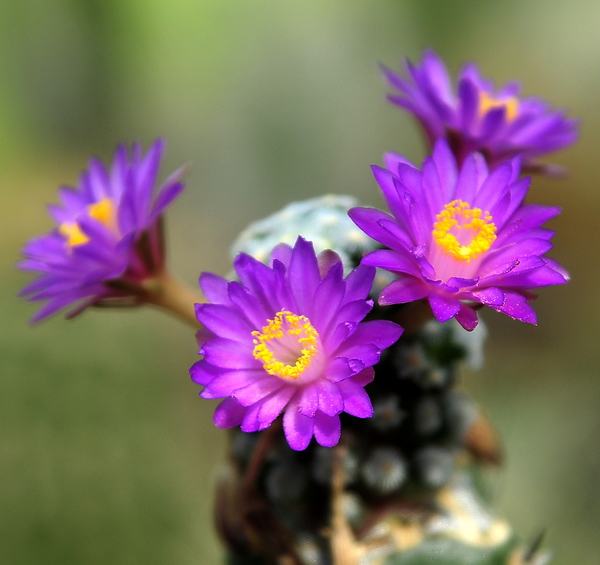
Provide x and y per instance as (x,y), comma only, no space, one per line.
(492,296)
(247,304)
(497,123)
(298,429)
(228,354)
(331,402)
(308,401)
(356,400)
(108,238)
(444,307)
(256,391)
(290,339)
(252,421)
(364,377)
(272,406)
(327,429)
(381,333)
(304,274)
(165,198)
(352,311)
(339,369)
(329,294)
(237,379)
(516,306)
(220,319)
(203,374)
(461,236)
(467,318)
(368,220)
(402,290)
(386,258)
(214,288)
(281,253)
(229,414)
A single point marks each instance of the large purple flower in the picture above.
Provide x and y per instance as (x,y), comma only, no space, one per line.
(108,237)
(460,237)
(289,338)
(496,123)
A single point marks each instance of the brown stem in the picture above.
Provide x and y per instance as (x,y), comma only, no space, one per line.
(260,452)
(168,293)
(262,530)
(344,548)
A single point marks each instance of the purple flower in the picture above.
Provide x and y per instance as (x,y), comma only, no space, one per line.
(289,338)
(497,123)
(108,237)
(460,237)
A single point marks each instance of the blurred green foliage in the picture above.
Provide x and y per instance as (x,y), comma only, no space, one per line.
(107,455)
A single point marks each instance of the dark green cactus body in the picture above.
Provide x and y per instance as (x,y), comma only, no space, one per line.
(406,494)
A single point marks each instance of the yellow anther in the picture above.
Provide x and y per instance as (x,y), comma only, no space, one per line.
(487,103)
(73,234)
(104,211)
(464,232)
(286,345)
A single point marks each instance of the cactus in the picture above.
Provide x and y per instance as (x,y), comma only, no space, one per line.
(403,487)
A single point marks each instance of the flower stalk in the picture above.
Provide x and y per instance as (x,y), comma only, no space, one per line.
(168,293)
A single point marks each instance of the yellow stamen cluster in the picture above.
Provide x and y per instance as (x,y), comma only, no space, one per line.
(487,103)
(279,328)
(73,234)
(456,219)
(103,211)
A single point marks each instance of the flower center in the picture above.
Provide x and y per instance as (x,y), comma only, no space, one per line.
(487,103)
(464,232)
(102,211)
(286,345)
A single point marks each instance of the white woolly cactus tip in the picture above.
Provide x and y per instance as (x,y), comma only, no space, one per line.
(322,220)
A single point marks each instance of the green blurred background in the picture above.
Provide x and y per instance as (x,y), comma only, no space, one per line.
(107,455)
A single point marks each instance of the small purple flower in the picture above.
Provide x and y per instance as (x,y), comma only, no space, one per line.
(497,123)
(108,238)
(289,338)
(460,237)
